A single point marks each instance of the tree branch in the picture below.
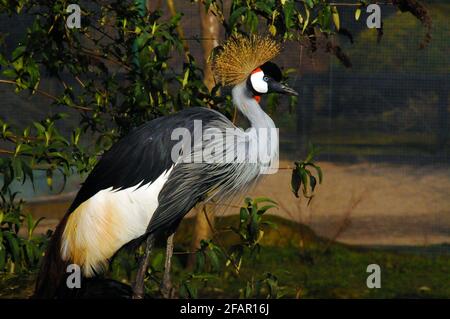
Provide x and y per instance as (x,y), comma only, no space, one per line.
(99,56)
(50,96)
(2,151)
(173,12)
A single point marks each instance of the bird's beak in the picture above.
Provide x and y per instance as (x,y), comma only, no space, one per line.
(281,88)
(287,90)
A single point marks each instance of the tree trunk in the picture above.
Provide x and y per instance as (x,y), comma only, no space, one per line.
(210,39)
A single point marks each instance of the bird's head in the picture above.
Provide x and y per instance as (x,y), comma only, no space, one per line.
(267,79)
(246,59)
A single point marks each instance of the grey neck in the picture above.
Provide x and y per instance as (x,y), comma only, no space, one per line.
(243,99)
(262,128)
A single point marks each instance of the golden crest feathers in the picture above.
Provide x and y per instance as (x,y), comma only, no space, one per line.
(240,55)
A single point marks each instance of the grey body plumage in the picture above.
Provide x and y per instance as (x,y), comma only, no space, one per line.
(217,179)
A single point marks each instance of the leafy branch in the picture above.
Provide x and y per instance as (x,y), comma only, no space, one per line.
(306,175)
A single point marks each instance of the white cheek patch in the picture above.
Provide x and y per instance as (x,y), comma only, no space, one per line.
(258,84)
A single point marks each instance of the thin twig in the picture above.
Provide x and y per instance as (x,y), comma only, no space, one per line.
(166,284)
(2,151)
(346,221)
(79,81)
(215,233)
(99,56)
(50,96)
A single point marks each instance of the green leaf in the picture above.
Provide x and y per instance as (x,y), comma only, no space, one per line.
(18,52)
(263,209)
(34,225)
(29,224)
(304,177)
(13,243)
(235,15)
(288,11)
(357,14)
(253,228)
(264,6)
(2,256)
(29,252)
(324,18)
(185,79)
(252,21)
(190,290)
(243,215)
(258,200)
(199,261)
(306,20)
(336,19)
(319,173)
(248,290)
(40,128)
(296,181)
(49,178)
(10,73)
(273,30)
(318,170)
(158,261)
(214,259)
(3,60)
(28,171)
(17,168)
(313,182)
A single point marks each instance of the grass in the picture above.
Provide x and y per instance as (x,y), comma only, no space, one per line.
(308,266)
(305,266)
(340,272)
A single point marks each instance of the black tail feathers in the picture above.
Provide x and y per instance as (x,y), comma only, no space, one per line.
(52,273)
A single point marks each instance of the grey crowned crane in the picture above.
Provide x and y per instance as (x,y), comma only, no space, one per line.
(148,181)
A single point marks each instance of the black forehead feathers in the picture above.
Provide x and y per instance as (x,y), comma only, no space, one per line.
(272,70)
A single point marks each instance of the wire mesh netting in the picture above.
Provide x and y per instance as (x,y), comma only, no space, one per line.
(391,106)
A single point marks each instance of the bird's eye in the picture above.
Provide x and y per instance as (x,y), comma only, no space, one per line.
(265,78)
